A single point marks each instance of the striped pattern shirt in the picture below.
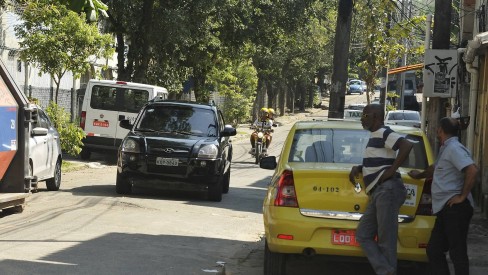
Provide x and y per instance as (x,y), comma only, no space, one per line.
(379,155)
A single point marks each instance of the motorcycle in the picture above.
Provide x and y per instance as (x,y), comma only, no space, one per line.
(260,142)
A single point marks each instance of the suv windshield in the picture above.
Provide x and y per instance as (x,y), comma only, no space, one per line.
(178,119)
(345,146)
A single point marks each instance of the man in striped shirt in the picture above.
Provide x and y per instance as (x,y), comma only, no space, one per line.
(385,189)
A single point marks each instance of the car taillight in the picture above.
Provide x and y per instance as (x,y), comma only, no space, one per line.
(425,203)
(286,195)
(83,120)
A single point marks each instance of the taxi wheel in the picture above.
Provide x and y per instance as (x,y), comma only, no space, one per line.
(274,263)
(53,183)
(226,182)
(122,185)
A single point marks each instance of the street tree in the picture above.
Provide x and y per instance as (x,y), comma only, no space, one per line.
(93,9)
(381,45)
(59,40)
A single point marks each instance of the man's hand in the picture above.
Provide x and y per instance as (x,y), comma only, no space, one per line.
(355,171)
(389,173)
(415,174)
(455,200)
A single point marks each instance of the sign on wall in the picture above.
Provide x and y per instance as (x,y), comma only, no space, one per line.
(8,130)
(440,73)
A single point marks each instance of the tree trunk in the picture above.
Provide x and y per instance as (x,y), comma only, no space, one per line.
(144,41)
(341,56)
(281,100)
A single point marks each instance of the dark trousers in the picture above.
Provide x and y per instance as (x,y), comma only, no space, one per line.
(450,233)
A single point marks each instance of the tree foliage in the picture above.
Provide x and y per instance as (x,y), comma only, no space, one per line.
(58,40)
(384,41)
(69,132)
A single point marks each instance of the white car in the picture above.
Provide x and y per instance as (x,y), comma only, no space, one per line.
(45,155)
(403,117)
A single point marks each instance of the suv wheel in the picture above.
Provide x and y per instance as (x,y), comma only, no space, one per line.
(53,183)
(226,182)
(215,191)
(122,185)
(274,263)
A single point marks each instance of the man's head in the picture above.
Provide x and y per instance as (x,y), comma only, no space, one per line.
(373,117)
(271,113)
(448,127)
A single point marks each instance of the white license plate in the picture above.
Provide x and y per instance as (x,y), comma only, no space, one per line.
(166,161)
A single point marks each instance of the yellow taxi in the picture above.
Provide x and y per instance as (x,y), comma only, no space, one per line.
(312,208)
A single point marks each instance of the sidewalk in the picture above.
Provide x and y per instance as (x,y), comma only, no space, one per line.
(478,243)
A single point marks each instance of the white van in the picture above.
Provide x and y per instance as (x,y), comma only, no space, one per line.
(106,102)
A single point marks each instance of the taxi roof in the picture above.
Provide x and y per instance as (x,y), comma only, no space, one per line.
(348,124)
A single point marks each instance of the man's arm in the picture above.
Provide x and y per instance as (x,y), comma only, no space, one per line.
(404,147)
(427,173)
(470,173)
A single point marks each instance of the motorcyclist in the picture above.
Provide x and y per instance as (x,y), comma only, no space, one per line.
(265,123)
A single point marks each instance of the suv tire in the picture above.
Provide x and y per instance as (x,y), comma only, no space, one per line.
(122,186)
(226,182)
(215,191)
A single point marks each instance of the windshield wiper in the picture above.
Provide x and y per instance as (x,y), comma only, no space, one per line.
(144,130)
(182,132)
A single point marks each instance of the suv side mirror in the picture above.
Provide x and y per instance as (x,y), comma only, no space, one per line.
(228,131)
(125,123)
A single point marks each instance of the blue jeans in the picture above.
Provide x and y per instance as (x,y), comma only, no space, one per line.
(450,233)
(381,219)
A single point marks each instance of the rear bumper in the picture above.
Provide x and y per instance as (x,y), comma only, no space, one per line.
(317,233)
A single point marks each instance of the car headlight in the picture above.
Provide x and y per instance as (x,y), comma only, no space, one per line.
(131,146)
(209,151)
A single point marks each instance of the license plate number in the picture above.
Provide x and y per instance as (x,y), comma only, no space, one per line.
(344,237)
(166,161)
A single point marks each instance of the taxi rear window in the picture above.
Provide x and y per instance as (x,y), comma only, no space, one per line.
(345,146)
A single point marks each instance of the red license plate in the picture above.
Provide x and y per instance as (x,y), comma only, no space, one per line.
(344,237)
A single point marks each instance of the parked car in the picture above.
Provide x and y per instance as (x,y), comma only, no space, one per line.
(356,86)
(312,208)
(403,117)
(45,155)
(177,146)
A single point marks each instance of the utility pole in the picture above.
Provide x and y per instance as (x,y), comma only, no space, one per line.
(341,57)
(441,40)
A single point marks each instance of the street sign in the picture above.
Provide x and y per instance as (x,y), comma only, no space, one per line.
(440,73)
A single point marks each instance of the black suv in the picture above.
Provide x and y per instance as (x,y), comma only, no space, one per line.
(176,145)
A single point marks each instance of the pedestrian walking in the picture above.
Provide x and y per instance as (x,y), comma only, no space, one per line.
(454,174)
(385,189)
